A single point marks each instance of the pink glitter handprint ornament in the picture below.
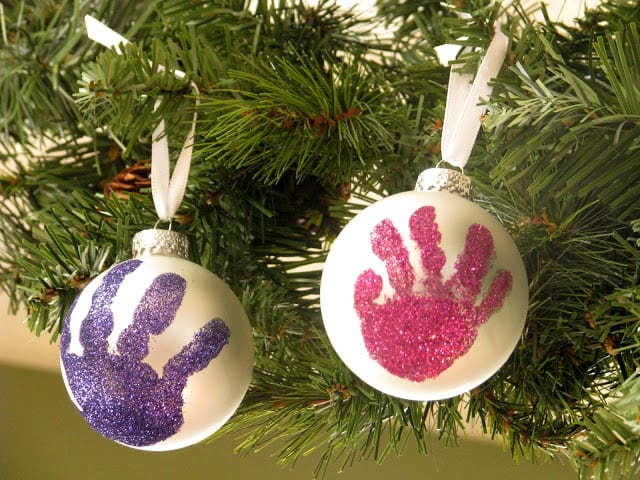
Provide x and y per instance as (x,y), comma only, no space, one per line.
(441,316)
(424,294)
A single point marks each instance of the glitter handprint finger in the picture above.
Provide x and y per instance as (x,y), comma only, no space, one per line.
(388,246)
(196,355)
(367,289)
(153,315)
(99,322)
(424,231)
(472,264)
(494,298)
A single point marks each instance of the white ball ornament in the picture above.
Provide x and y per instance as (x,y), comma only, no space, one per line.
(424,294)
(157,352)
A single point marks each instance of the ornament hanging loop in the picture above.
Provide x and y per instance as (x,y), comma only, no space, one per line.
(160,220)
(167,189)
(462,120)
(439,165)
(463,110)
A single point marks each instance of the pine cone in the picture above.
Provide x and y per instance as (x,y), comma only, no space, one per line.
(131,179)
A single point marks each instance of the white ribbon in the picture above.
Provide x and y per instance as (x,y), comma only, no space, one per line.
(167,190)
(463,111)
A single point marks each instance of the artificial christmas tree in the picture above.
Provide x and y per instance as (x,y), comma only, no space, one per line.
(304,115)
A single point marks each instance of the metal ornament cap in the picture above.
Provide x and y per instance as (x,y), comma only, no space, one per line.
(160,242)
(444,179)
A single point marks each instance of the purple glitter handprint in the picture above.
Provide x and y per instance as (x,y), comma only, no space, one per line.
(426,325)
(120,396)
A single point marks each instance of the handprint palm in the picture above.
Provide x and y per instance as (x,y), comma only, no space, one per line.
(122,397)
(426,325)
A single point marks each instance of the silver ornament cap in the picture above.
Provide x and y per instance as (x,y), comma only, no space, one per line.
(160,242)
(444,179)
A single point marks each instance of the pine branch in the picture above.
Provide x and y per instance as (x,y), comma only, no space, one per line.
(569,130)
(43,51)
(609,446)
(295,117)
(303,399)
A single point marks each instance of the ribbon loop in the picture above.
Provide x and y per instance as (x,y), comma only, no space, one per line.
(167,190)
(463,111)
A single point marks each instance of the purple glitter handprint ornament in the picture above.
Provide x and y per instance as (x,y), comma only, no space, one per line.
(424,295)
(156,352)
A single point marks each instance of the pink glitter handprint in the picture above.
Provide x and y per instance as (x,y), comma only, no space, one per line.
(420,331)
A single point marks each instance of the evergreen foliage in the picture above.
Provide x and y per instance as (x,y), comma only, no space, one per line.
(305,113)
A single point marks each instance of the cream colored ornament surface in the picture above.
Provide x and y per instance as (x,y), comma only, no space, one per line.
(157,353)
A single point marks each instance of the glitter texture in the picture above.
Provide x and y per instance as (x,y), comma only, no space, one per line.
(120,396)
(422,329)
(444,179)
